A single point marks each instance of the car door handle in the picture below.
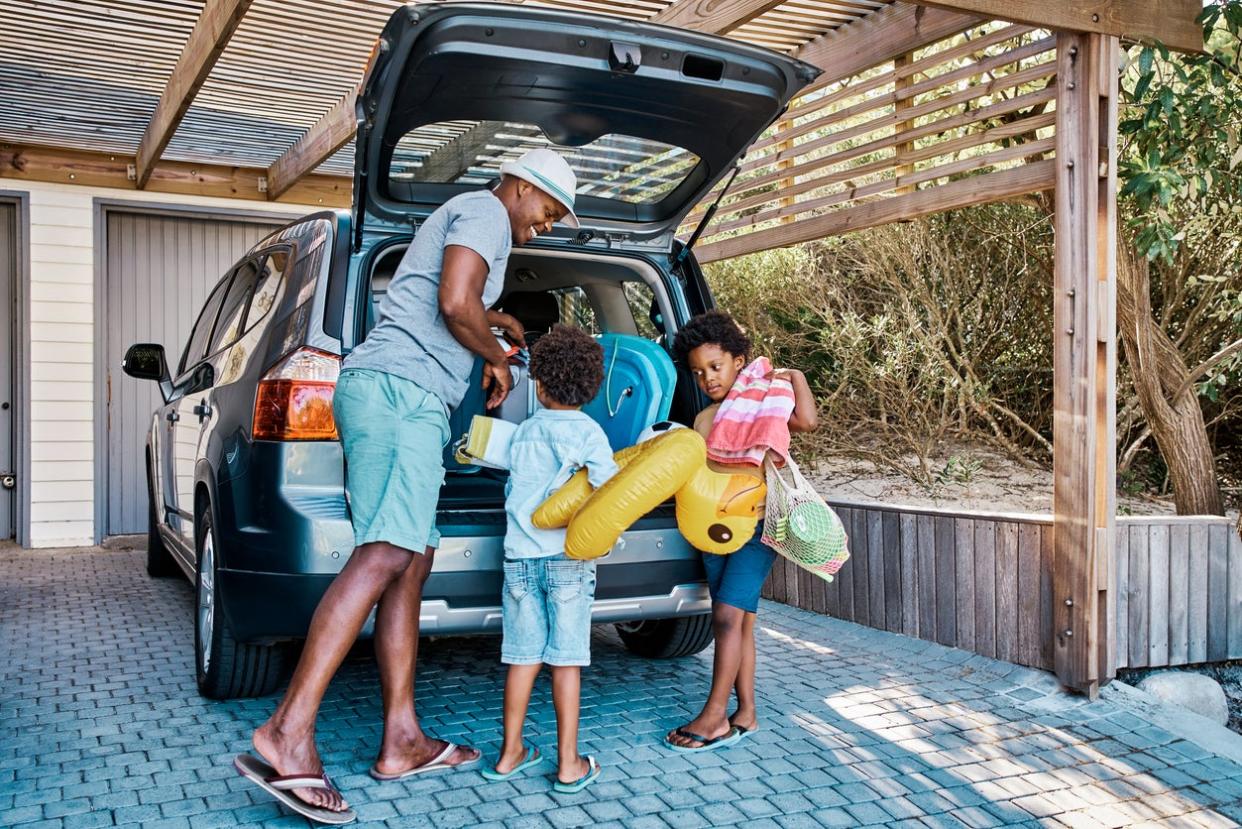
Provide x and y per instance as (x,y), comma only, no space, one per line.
(172,417)
(203,411)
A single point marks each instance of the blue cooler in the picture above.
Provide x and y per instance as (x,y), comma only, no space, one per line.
(637,391)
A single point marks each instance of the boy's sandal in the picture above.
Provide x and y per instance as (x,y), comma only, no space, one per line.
(533,758)
(437,763)
(705,744)
(743,731)
(593,771)
(280,786)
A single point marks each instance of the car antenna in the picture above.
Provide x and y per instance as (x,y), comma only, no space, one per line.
(676,261)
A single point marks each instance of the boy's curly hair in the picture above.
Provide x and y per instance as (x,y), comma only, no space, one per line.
(711,328)
(568,364)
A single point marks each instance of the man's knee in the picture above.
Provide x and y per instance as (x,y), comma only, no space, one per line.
(384,560)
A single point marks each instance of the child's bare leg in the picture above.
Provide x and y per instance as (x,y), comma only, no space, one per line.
(566,699)
(518,686)
(745,715)
(712,721)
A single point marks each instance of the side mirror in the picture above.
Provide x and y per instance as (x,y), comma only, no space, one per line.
(145,361)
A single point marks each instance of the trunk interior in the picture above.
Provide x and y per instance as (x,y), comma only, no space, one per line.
(622,298)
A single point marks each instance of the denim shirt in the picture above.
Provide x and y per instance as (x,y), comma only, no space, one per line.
(546,450)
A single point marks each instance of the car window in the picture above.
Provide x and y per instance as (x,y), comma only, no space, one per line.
(233,309)
(576,309)
(271,274)
(195,347)
(647,319)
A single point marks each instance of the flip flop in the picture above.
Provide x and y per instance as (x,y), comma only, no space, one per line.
(533,758)
(279,786)
(707,745)
(436,763)
(744,732)
(593,772)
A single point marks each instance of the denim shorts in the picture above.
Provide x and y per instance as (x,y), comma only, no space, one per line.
(736,579)
(547,611)
(393,434)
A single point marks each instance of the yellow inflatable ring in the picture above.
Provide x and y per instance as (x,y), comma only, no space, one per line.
(716,513)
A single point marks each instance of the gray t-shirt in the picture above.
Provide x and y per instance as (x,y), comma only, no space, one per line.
(410,338)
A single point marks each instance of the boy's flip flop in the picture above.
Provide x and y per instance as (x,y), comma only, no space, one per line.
(436,763)
(593,772)
(280,787)
(743,731)
(533,758)
(706,744)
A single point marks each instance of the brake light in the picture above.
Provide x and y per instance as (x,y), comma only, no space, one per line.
(295,398)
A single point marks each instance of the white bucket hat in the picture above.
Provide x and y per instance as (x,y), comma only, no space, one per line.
(551,173)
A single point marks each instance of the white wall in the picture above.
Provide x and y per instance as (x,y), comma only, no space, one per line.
(61,312)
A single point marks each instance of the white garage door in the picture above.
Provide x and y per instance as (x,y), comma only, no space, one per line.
(8,347)
(158,270)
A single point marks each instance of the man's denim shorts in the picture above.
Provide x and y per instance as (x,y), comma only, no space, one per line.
(393,434)
(547,611)
(736,579)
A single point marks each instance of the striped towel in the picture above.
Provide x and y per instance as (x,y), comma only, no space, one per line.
(753,418)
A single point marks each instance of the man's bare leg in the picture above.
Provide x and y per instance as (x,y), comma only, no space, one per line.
(404,745)
(287,739)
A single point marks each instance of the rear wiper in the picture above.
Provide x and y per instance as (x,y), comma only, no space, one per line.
(675,261)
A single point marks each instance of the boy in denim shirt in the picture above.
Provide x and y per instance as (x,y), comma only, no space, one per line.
(547,596)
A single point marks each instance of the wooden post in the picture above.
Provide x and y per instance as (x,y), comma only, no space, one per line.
(1085,362)
(905,147)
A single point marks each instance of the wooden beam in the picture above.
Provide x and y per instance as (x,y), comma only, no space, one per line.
(880,37)
(216,24)
(327,135)
(992,187)
(54,164)
(713,16)
(902,150)
(1172,22)
(335,129)
(1084,361)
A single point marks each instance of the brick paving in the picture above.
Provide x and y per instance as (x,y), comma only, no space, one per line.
(101,725)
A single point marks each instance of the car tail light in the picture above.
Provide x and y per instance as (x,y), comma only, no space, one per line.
(295,398)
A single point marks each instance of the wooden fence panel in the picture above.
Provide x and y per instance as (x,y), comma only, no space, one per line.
(982,582)
(964,538)
(985,588)
(1158,594)
(1179,594)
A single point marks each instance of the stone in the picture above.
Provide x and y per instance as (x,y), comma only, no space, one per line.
(1194,692)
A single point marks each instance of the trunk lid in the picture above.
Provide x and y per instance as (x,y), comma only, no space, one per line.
(649,117)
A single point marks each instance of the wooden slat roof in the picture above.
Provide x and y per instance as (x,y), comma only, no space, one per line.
(87,74)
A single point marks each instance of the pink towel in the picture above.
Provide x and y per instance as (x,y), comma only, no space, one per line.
(753,419)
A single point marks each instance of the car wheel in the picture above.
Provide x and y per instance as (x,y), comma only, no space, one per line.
(160,563)
(226,668)
(667,638)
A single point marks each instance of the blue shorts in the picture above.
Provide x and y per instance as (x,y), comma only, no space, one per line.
(393,434)
(547,611)
(736,579)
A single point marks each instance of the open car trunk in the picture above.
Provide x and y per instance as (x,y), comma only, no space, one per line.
(624,301)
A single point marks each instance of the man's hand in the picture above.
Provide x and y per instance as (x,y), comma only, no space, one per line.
(496,377)
(515,332)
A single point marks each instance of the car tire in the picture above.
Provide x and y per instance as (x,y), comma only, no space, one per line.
(160,563)
(667,638)
(225,667)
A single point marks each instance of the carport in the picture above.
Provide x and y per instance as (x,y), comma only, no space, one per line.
(144,146)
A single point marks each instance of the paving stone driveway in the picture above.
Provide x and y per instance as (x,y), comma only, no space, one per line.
(100,724)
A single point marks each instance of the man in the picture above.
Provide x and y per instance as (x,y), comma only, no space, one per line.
(391,407)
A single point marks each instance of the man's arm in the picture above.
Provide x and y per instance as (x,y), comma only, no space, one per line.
(462,279)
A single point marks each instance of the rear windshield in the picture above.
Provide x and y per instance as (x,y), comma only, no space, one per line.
(618,167)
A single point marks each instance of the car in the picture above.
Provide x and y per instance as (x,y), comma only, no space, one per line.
(245,474)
